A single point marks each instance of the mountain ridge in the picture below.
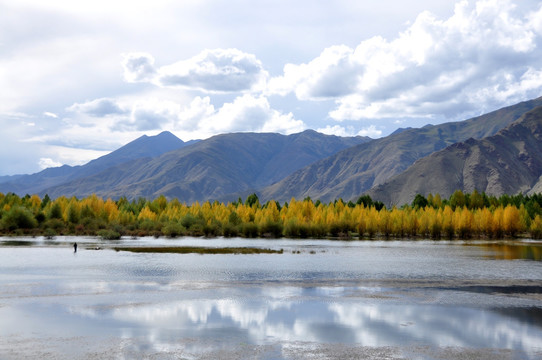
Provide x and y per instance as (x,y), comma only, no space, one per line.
(508,162)
(353,171)
(212,168)
(144,146)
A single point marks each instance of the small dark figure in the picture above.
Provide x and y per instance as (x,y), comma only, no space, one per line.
(74,247)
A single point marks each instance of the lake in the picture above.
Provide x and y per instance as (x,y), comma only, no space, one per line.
(319,299)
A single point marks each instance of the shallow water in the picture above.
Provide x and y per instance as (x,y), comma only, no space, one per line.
(319,299)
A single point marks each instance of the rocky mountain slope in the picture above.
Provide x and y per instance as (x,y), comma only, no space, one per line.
(212,168)
(509,162)
(354,171)
(143,147)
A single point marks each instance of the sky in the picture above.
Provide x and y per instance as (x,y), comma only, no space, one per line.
(79,79)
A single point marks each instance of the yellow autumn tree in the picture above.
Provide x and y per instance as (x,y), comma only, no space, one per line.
(146,214)
(512,222)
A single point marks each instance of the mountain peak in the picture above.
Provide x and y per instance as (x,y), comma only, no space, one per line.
(166,134)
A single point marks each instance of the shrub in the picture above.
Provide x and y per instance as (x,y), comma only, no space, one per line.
(210,230)
(189,220)
(173,229)
(18,218)
(229,230)
(293,229)
(196,230)
(249,230)
(149,225)
(271,229)
(49,233)
(340,229)
(108,234)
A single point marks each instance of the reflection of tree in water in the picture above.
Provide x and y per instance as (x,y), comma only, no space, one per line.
(527,315)
(501,251)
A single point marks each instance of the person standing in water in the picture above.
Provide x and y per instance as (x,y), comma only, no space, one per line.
(75,247)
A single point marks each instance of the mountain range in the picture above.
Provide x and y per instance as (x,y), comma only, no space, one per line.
(229,164)
(356,170)
(508,162)
(496,152)
(143,147)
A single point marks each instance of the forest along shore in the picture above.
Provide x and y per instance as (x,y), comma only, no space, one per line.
(462,216)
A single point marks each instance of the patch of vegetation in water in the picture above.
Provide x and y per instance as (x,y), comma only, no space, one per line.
(200,250)
(17,243)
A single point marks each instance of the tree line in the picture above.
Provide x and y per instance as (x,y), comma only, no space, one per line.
(462,216)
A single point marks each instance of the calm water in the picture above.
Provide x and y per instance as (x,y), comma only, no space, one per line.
(319,299)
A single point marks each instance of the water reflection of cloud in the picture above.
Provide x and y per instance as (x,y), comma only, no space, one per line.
(379,325)
(108,287)
(375,325)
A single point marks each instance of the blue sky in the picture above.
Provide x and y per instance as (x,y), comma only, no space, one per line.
(80,79)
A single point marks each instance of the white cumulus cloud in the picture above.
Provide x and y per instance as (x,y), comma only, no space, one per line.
(245,113)
(45,163)
(485,54)
(216,70)
(370,131)
(336,130)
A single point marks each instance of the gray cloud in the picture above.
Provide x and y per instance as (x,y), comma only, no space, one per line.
(218,70)
(98,108)
(145,119)
(138,67)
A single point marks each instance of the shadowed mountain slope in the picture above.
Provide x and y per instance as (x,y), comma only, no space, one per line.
(144,146)
(212,168)
(509,162)
(353,171)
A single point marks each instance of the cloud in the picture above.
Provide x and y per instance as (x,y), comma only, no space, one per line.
(217,70)
(145,119)
(486,54)
(336,130)
(199,118)
(245,113)
(327,76)
(50,114)
(45,163)
(98,108)
(370,131)
(138,67)
(194,114)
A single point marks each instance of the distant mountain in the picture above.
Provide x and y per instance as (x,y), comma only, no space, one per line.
(143,147)
(217,168)
(509,162)
(353,171)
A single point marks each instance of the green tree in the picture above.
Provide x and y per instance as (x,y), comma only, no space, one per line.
(419,202)
(458,199)
(365,200)
(46,200)
(18,217)
(73,214)
(55,212)
(476,200)
(252,200)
